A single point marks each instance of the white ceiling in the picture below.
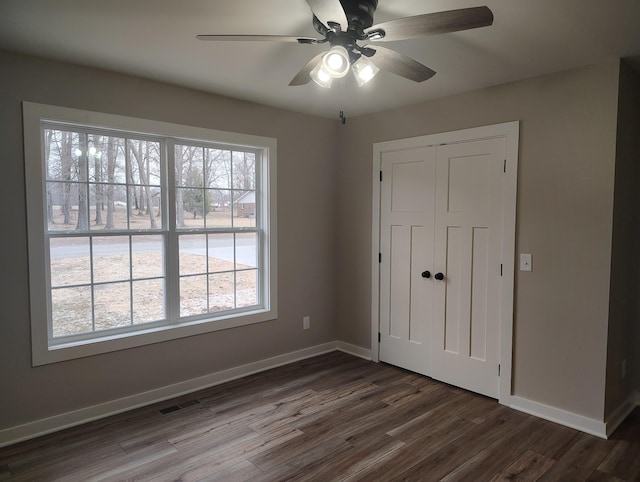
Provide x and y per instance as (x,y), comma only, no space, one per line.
(156,39)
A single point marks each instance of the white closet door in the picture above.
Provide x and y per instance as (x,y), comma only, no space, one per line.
(468,227)
(406,244)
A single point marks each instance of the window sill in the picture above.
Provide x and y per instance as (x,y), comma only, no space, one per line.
(54,353)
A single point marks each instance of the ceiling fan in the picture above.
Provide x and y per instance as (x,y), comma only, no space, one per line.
(344,23)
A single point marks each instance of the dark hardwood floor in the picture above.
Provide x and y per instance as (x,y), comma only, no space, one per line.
(332,417)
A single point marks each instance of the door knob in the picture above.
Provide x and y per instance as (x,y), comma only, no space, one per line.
(439,276)
(426,274)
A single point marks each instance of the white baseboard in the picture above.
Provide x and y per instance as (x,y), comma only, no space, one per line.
(618,416)
(19,433)
(557,415)
(354,350)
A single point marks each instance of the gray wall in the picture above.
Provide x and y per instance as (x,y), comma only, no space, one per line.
(564,217)
(306,217)
(624,328)
(625,275)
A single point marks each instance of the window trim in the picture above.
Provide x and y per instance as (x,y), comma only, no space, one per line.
(33,115)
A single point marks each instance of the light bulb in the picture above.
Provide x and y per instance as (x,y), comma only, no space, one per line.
(336,62)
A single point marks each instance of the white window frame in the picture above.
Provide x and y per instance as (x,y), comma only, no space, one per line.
(45,349)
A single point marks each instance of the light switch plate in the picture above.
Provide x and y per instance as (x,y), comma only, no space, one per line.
(525,262)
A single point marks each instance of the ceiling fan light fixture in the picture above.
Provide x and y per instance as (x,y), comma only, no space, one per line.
(364,70)
(344,23)
(336,62)
(321,76)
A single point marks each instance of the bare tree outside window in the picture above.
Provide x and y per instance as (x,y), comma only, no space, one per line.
(88,173)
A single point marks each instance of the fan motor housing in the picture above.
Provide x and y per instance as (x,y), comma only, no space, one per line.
(359,14)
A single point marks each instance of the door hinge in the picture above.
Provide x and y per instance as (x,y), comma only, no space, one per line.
(379,257)
(380,176)
(500,269)
(379,337)
(498,369)
(505,166)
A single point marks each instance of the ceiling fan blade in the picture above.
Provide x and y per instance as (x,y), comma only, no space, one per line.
(434,23)
(259,38)
(303,76)
(401,65)
(329,11)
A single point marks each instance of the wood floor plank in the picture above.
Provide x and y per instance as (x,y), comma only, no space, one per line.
(240,472)
(299,452)
(331,429)
(497,455)
(209,465)
(598,476)
(432,440)
(198,461)
(63,467)
(454,455)
(349,462)
(580,460)
(529,467)
(162,428)
(623,461)
(373,459)
(317,403)
(331,417)
(443,410)
(554,441)
(320,459)
(342,415)
(108,471)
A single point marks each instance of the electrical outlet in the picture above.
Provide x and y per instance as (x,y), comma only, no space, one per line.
(623,369)
(306,322)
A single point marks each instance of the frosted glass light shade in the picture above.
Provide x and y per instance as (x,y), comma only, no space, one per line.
(321,76)
(364,70)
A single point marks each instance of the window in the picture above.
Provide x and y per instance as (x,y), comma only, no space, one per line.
(142,231)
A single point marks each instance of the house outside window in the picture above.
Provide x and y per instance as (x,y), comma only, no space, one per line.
(139,231)
(246,205)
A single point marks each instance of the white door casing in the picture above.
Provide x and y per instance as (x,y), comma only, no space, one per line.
(467,318)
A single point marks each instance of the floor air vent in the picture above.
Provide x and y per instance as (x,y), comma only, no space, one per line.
(175,408)
(167,410)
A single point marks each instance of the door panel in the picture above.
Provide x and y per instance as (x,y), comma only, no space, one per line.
(406,243)
(479,302)
(455,272)
(400,294)
(468,184)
